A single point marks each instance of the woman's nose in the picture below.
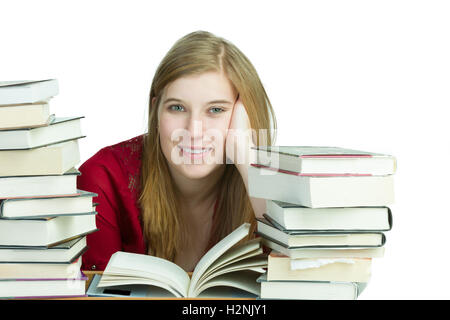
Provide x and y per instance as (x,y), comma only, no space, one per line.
(195,127)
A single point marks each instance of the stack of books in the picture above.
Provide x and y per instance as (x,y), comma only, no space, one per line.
(326,214)
(44,218)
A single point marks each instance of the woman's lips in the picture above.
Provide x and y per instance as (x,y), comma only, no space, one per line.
(194,152)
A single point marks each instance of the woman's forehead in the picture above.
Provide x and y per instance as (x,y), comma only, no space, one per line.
(200,88)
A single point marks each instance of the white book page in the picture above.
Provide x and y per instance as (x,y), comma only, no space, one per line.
(237,253)
(227,259)
(254,264)
(244,280)
(215,252)
(149,267)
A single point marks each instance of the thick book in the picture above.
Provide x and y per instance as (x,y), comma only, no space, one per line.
(64,252)
(320,191)
(48,206)
(282,267)
(50,160)
(315,239)
(294,217)
(44,287)
(56,185)
(227,264)
(11,271)
(45,231)
(59,130)
(311,160)
(29,115)
(27,91)
(310,290)
(299,252)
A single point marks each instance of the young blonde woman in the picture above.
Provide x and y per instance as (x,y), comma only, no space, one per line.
(180,188)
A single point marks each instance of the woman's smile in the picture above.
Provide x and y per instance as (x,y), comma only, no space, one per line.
(194,152)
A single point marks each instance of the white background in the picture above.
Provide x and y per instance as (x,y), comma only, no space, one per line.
(370,75)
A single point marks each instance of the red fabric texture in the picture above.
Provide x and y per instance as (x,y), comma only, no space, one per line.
(113,174)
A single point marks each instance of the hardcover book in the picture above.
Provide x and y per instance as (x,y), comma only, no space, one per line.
(48,206)
(64,252)
(295,217)
(316,239)
(310,290)
(320,191)
(300,252)
(11,271)
(59,130)
(310,160)
(27,115)
(49,160)
(38,186)
(27,91)
(45,287)
(45,231)
(281,267)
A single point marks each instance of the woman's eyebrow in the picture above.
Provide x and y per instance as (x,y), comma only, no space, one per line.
(210,102)
(172,100)
(219,101)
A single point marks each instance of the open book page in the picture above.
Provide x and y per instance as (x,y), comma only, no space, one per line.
(244,280)
(238,253)
(132,268)
(230,273)
(215,252)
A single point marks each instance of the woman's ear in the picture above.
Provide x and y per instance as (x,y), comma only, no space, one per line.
(152,105)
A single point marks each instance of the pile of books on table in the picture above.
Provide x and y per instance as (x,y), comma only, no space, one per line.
(326,214)
(44,218)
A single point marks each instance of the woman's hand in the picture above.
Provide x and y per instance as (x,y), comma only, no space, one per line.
(239,143)
(239,138)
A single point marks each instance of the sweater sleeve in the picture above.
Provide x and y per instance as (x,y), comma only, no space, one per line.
(99,174)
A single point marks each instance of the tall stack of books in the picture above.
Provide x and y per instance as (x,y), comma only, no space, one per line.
(326,214)
(44,218)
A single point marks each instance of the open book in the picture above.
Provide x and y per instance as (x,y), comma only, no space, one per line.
(227,264)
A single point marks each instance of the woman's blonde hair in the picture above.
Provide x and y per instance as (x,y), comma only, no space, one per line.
(196,53)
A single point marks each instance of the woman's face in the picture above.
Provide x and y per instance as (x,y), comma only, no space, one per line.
(194,115)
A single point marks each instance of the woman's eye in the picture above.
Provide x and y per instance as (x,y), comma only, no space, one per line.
(176,107)
(216,110)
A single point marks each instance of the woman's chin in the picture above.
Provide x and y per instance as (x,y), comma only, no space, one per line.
(197,171)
